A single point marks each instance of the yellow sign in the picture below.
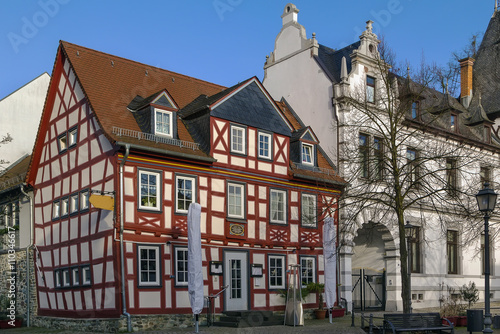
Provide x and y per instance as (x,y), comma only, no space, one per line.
(102,202)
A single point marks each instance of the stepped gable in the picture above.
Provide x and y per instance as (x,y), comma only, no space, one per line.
(486,71)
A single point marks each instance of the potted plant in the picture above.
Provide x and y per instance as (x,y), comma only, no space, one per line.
(470,294)
(318,289)
(337,311)
(452,308)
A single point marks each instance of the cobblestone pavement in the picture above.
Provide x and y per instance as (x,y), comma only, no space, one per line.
(338,325)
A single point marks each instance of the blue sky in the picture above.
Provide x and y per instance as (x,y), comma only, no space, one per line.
(222,41)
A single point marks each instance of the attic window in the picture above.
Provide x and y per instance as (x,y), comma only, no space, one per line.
(370,89)
(307,154)
(453,123)
(163,122)
(415,110)
(487,134)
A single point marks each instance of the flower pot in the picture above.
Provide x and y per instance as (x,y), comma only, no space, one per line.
(338,312)
(320,314)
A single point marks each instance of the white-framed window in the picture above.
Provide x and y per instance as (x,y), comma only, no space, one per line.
(370,89)
(278,206)
(309,211)
(84,200)
(62,142)
(149,190)
(307,270)
(86,275)
(57,278)
(181,266)
(75,273)
(72,137)
(235,200)
(149,265)
(66,280)
(73,203)
(276,265)
(238,139)
(265,144)
(163,122)
(307,154)
(185,192)
(64,206)
(56,209)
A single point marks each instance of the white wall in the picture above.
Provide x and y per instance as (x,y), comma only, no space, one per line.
(20,114)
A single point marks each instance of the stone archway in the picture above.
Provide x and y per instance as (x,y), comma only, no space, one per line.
(374,256)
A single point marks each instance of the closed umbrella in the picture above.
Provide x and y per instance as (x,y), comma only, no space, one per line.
(195,273)
(330,258)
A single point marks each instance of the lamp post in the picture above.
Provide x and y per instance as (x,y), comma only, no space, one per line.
(409,234)
(486,201)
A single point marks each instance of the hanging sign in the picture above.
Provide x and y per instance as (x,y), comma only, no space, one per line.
(102,202)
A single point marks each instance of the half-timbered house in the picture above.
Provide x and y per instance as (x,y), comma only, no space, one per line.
(155,141)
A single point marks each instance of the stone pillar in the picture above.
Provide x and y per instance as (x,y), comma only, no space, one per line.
(345,263)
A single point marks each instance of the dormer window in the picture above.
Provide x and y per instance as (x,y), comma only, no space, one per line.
(308,154)
(453,123)
(163,122)
(370,89)
(415,110)
(487,134)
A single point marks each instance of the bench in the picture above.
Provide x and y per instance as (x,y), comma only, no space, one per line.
(413,322)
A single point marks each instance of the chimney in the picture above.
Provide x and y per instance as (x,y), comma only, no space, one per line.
(466,80)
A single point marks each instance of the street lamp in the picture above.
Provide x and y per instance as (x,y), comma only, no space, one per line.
(410,231)
(486,201)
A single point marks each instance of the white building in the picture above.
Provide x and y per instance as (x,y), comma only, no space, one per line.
(20,114)
(318,82)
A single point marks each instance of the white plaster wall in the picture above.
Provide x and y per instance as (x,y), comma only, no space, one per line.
(20,113)
(288,78)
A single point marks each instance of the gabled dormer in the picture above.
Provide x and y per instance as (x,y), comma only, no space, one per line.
(303,147)
(156,114)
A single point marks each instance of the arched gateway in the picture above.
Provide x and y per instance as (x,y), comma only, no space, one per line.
(375,267)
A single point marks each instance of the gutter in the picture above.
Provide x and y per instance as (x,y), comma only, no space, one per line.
(122,251)
(30,245)
(171,153)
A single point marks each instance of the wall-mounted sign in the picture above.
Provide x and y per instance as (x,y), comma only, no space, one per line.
(102,202)
(215,268)
(236,229)
(256,270)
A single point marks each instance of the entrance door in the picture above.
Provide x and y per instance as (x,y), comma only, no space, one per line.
(236,276)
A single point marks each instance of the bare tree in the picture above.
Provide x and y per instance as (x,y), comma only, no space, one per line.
(407,151)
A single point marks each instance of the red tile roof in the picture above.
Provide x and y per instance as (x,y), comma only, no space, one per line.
(111,83)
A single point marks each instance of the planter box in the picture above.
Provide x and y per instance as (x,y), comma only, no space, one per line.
(338,312)
(453,321)
(4,324)
(462,321)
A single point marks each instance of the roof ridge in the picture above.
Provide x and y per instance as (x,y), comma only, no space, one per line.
(126,60)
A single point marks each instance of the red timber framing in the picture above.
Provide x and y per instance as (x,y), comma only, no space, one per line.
(252,195)
(75,247)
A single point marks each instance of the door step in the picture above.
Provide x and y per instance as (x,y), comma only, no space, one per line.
(241,319)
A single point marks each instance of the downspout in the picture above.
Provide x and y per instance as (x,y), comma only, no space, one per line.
(122,251)
(28,269)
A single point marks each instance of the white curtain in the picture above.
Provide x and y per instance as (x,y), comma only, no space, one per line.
(195,272)
(330,257)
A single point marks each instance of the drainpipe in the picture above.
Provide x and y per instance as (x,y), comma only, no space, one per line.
(28,269)
(122,251)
